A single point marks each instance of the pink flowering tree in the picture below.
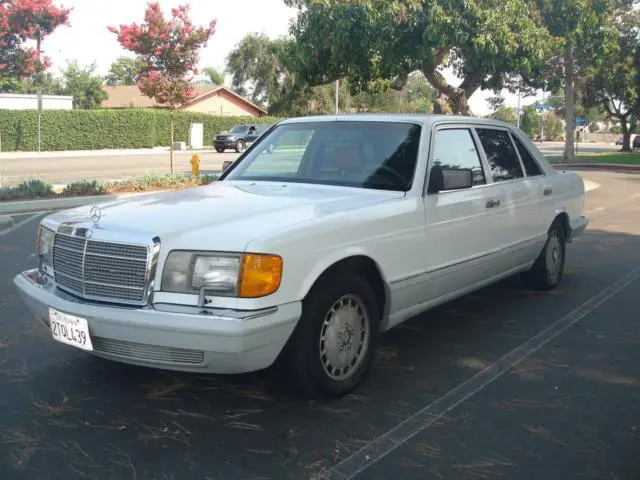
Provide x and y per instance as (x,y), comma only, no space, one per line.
(168,51)
(23,22)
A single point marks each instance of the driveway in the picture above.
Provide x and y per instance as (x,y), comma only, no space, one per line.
(502,383)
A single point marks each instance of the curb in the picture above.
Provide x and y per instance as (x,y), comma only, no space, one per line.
(26,206)
(6,220)
(611,167)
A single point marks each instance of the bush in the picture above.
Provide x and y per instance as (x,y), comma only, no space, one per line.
(37,189)
(83,189)
(107,128)
(159,182)
(616,129)
(31,189)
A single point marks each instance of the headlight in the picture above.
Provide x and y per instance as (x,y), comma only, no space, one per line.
(44,250)
(242,275)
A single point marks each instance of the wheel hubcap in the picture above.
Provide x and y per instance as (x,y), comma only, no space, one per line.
(344,338)
(554,256)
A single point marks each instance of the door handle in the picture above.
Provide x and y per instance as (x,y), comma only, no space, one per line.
(547,191)
(492,203)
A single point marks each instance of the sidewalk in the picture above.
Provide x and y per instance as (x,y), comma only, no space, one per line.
(101,153)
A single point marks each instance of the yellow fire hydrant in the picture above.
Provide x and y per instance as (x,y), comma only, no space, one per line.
(195,165)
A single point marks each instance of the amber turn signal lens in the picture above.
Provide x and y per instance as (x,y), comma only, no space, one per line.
(260,275)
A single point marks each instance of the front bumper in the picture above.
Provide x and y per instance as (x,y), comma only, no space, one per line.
(577,227)
(225,144)
(171,337)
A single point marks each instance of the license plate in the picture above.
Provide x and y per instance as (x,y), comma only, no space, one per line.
(70,329)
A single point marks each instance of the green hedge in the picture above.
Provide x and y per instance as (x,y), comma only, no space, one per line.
(98,129)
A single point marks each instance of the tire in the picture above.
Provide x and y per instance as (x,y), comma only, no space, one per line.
(546,272)
(313,373)
(240,146)
(219,150)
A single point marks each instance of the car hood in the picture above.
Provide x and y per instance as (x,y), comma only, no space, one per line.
(234,209)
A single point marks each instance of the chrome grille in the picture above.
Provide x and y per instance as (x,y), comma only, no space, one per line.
(99,270)
(149,353)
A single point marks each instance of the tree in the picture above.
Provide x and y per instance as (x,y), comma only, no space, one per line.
(505,114)
(496,102)
(530,121)
(417,96)
(124,71)
(213,75)
(258,70)
(168,51)
(378,43)
(615,84)
(583,35)
(22,21)
(84,85)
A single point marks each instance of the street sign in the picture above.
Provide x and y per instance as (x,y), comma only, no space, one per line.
(542,107)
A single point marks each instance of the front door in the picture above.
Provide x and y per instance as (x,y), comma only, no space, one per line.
(461,225)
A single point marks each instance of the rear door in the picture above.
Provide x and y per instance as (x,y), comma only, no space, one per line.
(544,197)
(518,211)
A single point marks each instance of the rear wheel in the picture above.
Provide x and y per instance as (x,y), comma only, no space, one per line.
(546,272)
(333,345)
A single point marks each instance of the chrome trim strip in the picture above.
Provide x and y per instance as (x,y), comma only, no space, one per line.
(101,284)
(456,263)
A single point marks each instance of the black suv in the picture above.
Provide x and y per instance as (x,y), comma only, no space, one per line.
(239,137)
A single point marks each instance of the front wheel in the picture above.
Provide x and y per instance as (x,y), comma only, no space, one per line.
(219,149)
(546,272)
(333,345)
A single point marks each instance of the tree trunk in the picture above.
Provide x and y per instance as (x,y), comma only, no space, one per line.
(171,140)
(459,95)
(626,135)
(569,150)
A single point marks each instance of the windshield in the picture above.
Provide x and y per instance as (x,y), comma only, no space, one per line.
(239,129)
(364,154)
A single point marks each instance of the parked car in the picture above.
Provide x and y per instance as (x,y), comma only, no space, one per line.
(636,142)
(303,255)
(239,137)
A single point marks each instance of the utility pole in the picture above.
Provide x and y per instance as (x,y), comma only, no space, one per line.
(337,95)
(39,91)
(518,108)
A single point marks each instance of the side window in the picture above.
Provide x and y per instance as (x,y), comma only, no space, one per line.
(501,155)
(530,165)
(455,148)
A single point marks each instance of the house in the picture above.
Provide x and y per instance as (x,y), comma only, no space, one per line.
(14,101)
(212,99)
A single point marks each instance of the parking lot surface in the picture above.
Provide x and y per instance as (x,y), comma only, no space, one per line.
(502,383)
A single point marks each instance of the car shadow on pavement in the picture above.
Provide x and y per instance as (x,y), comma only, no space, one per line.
(65,414)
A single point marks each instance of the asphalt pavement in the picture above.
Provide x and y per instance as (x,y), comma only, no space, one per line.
(59,169)
(63,170)
(501,383)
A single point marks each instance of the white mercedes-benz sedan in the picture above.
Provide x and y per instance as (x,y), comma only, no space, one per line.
(324,233)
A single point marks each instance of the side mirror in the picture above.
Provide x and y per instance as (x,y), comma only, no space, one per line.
(449,179)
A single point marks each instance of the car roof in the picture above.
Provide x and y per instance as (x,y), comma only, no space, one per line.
(426,120)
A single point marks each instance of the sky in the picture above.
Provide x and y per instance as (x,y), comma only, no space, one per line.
(88,41)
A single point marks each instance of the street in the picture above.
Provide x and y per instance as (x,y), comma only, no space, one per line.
(63,170)
(501,383)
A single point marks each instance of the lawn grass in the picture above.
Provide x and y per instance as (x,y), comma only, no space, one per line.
(621,158)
